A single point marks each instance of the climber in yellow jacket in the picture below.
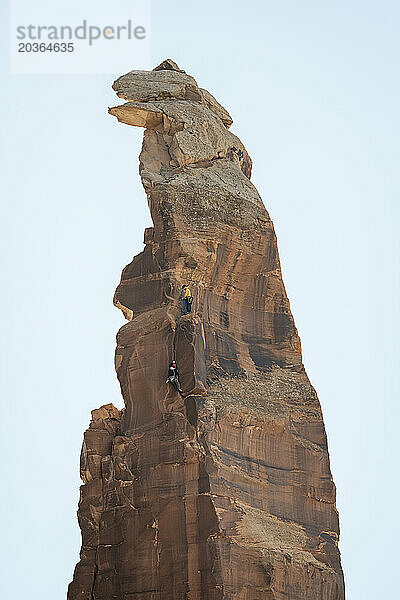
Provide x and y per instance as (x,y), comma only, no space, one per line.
(187,299)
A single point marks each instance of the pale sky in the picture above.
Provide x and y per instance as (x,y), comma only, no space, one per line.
(313,88)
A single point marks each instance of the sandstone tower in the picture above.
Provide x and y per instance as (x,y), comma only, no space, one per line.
(223,491)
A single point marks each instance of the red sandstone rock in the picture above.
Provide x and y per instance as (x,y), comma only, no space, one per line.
(224,492)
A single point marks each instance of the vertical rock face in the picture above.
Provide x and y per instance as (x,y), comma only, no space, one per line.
(225,491)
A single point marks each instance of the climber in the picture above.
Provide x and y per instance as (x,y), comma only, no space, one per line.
(173,376)
(187,299)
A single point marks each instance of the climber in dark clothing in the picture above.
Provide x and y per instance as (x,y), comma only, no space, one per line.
(186,299)
(173,376)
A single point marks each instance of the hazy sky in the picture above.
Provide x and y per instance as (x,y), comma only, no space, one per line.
(313,88)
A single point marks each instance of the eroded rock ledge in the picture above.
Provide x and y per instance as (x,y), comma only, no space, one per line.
(224,492)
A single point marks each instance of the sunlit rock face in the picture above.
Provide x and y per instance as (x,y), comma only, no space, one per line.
(225,491)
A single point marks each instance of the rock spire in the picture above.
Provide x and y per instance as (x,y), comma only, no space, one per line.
(223,491)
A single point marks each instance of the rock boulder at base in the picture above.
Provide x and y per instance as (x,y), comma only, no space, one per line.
(223,491)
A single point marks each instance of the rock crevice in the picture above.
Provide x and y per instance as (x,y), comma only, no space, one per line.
(223,491)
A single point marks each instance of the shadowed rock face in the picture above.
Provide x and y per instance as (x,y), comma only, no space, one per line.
(224,492)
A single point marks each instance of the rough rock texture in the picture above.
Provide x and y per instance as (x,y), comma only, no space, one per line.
(225,491)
